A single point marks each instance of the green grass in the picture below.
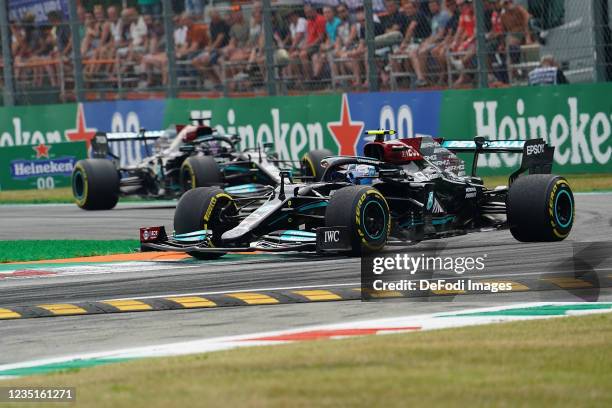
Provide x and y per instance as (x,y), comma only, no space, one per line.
(34,250)
(579,183)
(57,195)
(555,362)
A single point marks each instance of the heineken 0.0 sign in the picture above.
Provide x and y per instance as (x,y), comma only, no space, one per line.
(43,166)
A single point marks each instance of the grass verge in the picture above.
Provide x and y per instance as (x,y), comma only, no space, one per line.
(579,183)
(555,362)
(57,195)
(34,250)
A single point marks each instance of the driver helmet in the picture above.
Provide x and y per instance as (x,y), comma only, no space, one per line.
(360,174)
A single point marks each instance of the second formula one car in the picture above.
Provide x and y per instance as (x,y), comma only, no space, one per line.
(193,156)
(402,191)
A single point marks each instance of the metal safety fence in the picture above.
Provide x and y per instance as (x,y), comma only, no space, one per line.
(238,48)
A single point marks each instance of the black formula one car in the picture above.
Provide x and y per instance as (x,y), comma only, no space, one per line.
(402,191)
(193,156)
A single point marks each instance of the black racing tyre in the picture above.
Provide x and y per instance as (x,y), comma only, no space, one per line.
(200,171)
(205,208)
(540,208)
(365,212)
(311,163)
(95,184)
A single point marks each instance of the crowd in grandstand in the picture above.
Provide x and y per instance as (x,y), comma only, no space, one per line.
(422,42)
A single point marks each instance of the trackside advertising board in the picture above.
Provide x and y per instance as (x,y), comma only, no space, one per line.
(43,166)
(576,119)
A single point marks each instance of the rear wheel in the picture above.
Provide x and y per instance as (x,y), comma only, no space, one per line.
(540,208)
(95,184)
(205,208)
(365,212)
(200,171)
(311,163)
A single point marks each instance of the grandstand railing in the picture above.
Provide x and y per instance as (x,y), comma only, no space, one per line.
(572,35)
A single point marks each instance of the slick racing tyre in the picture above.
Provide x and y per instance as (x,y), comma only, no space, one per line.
(540,208)
(205,208)
(200,171)
(365,212)
(95,184)
(311,163)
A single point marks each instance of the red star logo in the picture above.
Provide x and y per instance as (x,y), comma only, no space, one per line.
(346,132)
(81,132)
(41,150)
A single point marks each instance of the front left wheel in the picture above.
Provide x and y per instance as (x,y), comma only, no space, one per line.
(205,208)
(365,212)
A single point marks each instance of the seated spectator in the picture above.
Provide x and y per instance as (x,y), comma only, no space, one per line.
(327,46)
(315,35)
(440,52)
(189,38)
(296,40)
(548,73)
(464,43)
(417,29)
(393,20)
(252,50)
(347,40)
(63,38)
(207,60)
(44,55)
(419,57)
(515,23)
(494,42)
(90,44)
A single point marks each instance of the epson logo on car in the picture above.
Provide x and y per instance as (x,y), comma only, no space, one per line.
(332,236)
(535,149)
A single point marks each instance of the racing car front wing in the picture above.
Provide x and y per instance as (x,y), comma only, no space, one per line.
(325,239)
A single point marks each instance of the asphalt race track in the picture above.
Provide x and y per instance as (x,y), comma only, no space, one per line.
(547,269)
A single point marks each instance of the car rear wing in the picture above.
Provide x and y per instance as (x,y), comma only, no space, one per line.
(99,143)
(537,154)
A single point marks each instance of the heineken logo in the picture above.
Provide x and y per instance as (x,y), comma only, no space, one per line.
(23,169)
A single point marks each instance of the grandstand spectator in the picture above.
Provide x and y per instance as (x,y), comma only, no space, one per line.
(328,45)
(463,46)
(90,44)
(295,41)
(63,39)
(419,57)
(206,61)
(440,52)
(315,35)
(346,43)
(494,41)
(416,31)
(41,57)
(235,51)
(548,73)
(393,20)
(515,23)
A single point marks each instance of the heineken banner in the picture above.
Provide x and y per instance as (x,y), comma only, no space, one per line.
(576,119)
(42,166)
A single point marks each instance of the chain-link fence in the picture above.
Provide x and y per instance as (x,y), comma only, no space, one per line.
(132,49)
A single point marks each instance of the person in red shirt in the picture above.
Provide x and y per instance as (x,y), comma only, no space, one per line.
(315,35)
(464,42)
